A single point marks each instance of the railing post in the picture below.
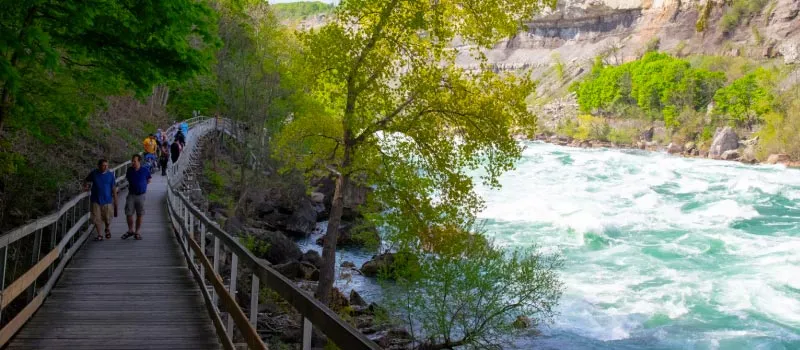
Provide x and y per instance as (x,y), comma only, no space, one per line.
(232,289)
(307,327)
(3,277)
(255,292)
(216,266)
(37,248)
(203,250)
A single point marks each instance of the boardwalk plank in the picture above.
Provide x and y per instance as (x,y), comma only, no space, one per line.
(125,294)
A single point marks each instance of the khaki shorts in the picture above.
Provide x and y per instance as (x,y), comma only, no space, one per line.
(134,204)
(102,213)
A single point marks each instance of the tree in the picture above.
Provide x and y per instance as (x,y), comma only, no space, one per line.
(451,300)
(747,99)
(398,115)
(252,79)
(59,58)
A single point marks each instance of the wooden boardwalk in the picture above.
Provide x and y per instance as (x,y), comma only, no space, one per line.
(125,294)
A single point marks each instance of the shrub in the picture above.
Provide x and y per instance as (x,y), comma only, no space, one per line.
(468,296)
(623,136)
(653,83)
(747,99)
(780,131)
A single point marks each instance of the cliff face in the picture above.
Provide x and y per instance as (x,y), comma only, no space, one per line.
(622,29)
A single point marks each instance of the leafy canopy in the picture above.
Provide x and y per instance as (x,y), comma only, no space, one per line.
(397,114)
(747,99)
(658,84)
(58,59)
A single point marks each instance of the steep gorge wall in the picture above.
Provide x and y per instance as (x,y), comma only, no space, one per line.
(579,30)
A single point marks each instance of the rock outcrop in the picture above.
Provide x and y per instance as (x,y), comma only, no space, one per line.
(777,158)
(725,140)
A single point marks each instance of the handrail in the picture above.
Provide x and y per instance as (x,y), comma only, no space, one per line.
(189,220)
(68,228)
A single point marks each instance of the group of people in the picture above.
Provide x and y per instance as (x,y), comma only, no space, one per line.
(102,182)
(158,148)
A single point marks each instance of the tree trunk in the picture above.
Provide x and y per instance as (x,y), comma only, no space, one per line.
(5,107)
(327,272)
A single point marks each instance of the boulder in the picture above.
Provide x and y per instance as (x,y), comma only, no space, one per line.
(730,155)
(233,225)
(674,148)
(749,155)
(777,158)
(317,197)
(279,248)
(378,263)
(312,257)
(355,299)
(725,140)
(689,147)
(292,270)
(647,136)
(303,219)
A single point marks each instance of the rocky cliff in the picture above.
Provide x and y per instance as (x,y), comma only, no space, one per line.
(622,29)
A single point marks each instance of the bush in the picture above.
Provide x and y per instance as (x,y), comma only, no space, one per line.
(587,127)
(740,9)
(654,83)
(468,296)
(747,99)
(623,136)
(780,131)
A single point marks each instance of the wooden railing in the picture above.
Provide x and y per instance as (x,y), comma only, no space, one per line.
(193,228)
(44,247)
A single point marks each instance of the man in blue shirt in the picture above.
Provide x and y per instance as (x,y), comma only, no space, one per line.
(103,196)
(138,177)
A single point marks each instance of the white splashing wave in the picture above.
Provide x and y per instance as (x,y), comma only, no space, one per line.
(653,237)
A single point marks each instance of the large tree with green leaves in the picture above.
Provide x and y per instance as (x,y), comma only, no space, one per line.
(59,58)
(396,114)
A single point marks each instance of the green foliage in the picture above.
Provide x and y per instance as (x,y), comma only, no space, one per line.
(702,21)
(59,59)
(395,113)
(469,293)
(739,10)
(301,10)
(779,133)
(255,245)
(623,136)
(747,99)
(658,84)
(558,65)
(587,127)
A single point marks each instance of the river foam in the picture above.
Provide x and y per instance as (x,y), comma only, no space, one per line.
(662,252)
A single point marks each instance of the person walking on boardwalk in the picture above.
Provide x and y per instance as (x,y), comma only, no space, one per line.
(163,157)
(138,177)
(103,196)
(175,151)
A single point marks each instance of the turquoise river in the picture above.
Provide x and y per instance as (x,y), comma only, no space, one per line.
(661,252)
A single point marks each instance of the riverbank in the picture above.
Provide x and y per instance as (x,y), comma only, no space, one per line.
(743,154)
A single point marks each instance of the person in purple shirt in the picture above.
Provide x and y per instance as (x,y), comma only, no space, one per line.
(138,177)
(103,196)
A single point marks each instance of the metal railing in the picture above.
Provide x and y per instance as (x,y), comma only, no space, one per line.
(43,248)
(194,228)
